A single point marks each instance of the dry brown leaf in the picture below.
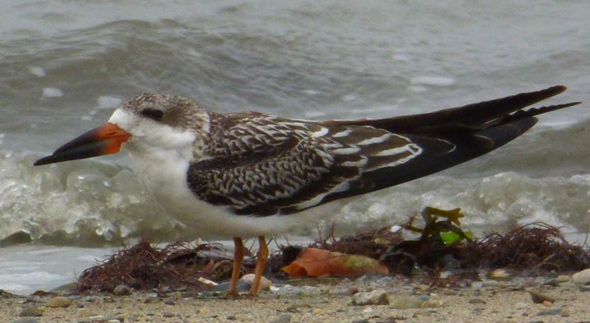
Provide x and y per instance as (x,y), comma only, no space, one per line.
(317,262)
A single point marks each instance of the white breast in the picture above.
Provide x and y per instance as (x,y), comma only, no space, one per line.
(163,175)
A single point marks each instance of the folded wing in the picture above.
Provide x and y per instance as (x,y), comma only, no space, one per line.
(263,165)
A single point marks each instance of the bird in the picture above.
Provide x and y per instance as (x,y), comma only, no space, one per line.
(252,175)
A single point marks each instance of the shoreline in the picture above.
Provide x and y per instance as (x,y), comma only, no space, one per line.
(488,301)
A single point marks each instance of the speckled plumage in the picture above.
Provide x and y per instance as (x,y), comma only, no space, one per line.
(261,165)
(251,174)
(265,165)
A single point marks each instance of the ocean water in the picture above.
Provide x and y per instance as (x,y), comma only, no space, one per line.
(65,65)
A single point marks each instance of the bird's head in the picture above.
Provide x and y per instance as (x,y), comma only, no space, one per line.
(144,123)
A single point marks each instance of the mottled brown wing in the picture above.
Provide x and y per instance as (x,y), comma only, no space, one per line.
(263,165)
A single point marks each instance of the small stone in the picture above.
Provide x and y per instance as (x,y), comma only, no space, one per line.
(231,318)
(522,306)
(30,311)
(122,290)
(285,318)
(243,287)
(540,298)
(477,285)
(582,277)
(167,314)
(26,320)
(74,298)
(379,297)
(550,311)
(499,274)
(405,302)
(84,313)
(390,320)
(491,283)
(361,321)
(424,298)
(265,283)
(585,288)
(349,291)
(376,297)
(477,301)
(368,310)
(551,282)
(423,288)
(309,291)
(58,301)
(93,319)
(151,299)
(169,302)
(562,278)
(432,303)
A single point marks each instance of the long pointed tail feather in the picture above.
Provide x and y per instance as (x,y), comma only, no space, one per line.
(453,136)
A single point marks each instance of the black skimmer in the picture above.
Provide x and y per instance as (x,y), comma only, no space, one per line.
(252,175)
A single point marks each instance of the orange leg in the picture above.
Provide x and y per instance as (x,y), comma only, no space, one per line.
(235,274)
(262,257)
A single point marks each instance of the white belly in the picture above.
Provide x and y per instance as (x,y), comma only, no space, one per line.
(165,180)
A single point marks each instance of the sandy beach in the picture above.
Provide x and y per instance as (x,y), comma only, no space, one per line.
(406,301)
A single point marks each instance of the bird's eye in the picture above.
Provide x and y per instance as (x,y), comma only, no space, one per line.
(153,114)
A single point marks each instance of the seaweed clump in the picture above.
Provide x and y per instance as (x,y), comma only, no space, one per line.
(144,267)
(536,247)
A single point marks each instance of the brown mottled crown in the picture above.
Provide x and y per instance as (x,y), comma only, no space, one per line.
(175,111)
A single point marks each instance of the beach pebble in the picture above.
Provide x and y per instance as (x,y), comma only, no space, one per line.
(26,320)
(432,303)
(265,283)
(550,311)
(562,278)
(347,291)
(477,301)
(405,302)
(151,299)
(167,314)
(243,287)
(540,298)
(424,297)
(58,301)
(522,306)
(285,318)
(31,310)
(582,277)
(390,320)
(368,311)
(169,302)
(499,274)
(376,297)
(477,285)
(289,291)
(84,313)
(93,319)
(122,290)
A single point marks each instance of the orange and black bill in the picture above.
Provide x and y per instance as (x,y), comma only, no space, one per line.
(104,140)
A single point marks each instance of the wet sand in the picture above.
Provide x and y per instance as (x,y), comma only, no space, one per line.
(408,302)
